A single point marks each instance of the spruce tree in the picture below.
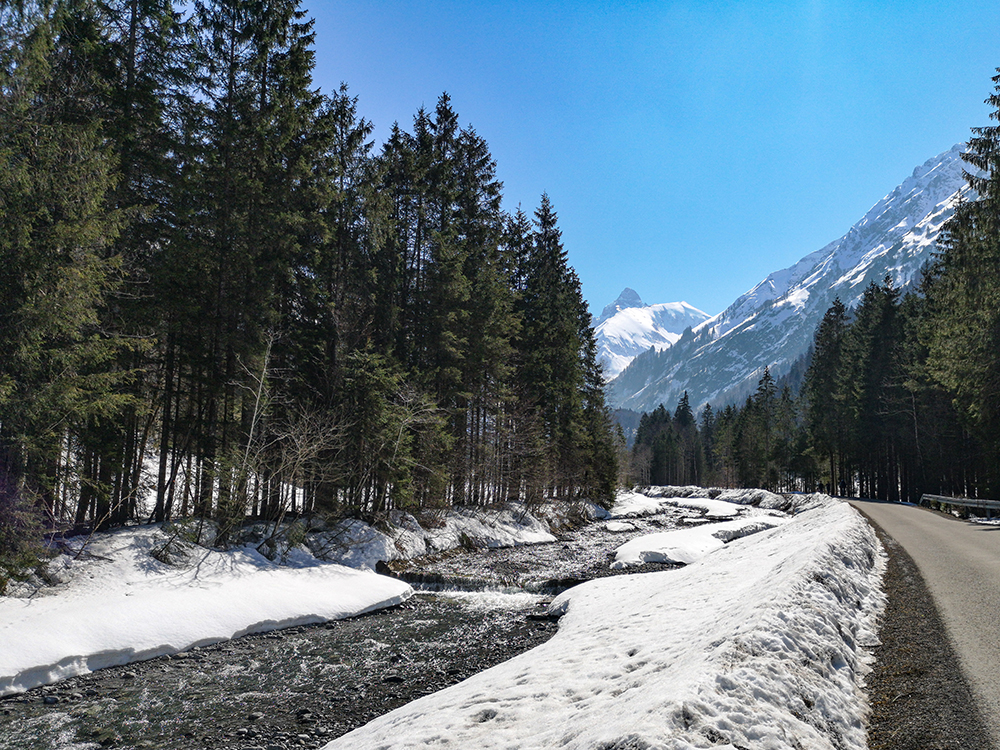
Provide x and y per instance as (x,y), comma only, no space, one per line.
(56,237)
(550,345)
(870,387)
(824,411)
(963,333)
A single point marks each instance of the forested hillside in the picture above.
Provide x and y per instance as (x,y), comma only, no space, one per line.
(219,294)
(902,393)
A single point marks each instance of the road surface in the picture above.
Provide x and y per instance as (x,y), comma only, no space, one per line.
(960,563)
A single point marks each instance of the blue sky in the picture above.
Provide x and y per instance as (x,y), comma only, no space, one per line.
(689,148)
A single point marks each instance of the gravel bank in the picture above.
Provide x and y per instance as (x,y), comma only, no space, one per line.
(920,699)
(292,689)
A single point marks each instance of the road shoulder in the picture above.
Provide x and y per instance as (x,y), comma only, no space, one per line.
(920,700)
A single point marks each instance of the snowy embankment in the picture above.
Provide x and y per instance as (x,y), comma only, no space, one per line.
(357,544)
(761,644)
(120,604)
(715,503)
(688,545)
(685,546)
(142,592)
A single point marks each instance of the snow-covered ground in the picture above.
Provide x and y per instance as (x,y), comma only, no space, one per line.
(357,544)
(120,604)
(762,644)
(714,503)
(691,544)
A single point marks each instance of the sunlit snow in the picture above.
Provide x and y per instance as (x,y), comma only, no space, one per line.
(761,644)
(687,545)
(632,330)
(121,605)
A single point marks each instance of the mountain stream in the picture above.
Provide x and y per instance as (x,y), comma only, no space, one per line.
(304,686)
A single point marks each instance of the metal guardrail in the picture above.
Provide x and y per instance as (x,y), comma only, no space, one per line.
(963,502)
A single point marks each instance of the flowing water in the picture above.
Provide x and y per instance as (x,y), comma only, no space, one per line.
(301,687)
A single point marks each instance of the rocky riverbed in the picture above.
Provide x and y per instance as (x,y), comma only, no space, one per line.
(301,687)
(296,688)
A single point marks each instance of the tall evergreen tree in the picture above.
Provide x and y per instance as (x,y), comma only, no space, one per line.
(963,335)
(824,411)
(56,235)
(550,346)
(871,389)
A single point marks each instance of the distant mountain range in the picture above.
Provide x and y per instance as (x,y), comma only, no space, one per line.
(627,327)
(721,359)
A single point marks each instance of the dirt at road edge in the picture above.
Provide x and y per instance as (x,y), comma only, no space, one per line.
(920,700)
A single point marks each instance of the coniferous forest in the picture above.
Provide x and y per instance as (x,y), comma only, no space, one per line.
(220,298)
(900,396)
(219,293)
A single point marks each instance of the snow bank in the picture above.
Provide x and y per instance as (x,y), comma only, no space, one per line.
(359,545)
(687,545)
(761,644)
(632,504)
(714,502)
(142,592)
(119,604)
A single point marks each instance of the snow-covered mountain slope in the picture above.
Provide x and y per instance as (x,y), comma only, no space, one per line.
(773,324)
(629,327)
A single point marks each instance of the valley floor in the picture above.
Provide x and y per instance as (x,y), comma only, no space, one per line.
(762,642)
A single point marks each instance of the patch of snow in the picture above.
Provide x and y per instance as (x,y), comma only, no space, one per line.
(121,604)
(687,545)
(759,498)
(762,644)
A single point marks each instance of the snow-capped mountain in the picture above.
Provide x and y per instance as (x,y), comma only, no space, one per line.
(773,324)
(628,298)
(627,327)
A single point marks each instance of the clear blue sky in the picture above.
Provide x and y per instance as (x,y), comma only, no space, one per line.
(689,148)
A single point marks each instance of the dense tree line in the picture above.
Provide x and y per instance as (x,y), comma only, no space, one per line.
(757,444)
(873,416)
(901,396)
(870,418)
(218,293)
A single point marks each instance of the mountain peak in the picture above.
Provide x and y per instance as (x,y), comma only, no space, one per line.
(635,327)
(628,298)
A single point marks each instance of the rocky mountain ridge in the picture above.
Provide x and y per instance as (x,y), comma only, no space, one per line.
(773,324)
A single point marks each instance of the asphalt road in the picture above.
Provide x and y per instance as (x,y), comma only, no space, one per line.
(960,563)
